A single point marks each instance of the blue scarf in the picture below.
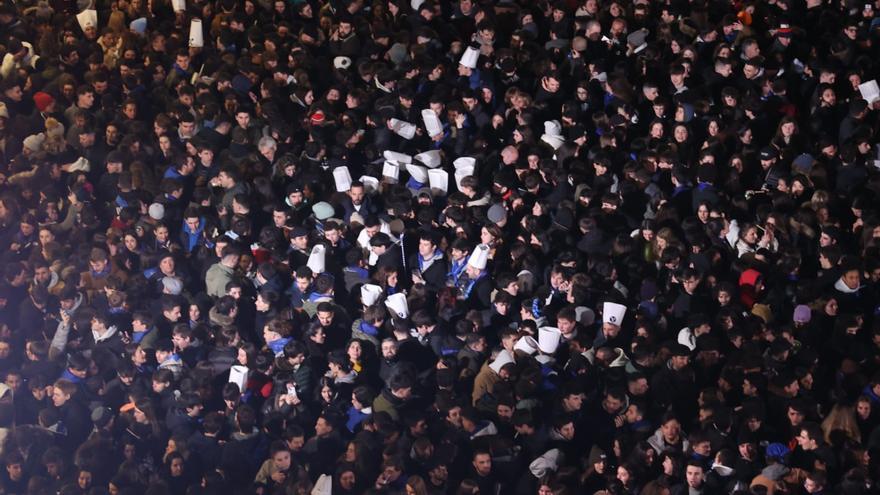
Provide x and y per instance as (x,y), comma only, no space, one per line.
(414,184)
(137,337)
(277,346)
(472,283)
(456,270)
(314,296)
(369,329)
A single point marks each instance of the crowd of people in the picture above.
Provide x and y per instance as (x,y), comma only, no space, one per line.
(439,247)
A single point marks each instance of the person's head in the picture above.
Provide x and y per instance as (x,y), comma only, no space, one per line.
(62,392)
(810,436)
(694,474)
(670,427)
(482,462)
(815,482)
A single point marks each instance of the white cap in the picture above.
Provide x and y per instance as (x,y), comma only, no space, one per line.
(465,161)
(552,128)
(343,178)
(238,375)
(438,179)
(461,173)
(470,57)
(178,5)
(371,184)
(504,357)
(403,129)
(418,173)
(391,170)
(613,313)
(479,257)
(548,339)
(196,35)
(527,345)
(342,63)
(87,18)
(395,156)
(430,159)
(324,485)
(397,304)
(432,122)
(370,293)
(554,141)
(316,259)
(156,211)
(415,4)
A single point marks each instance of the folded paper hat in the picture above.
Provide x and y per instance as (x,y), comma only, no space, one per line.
(391,170)
(613,313)
(342,177)
(438,180)
(418,173)
(196,35)
(87,19)
(504,358)
(432,122)
(431,159)
(370,293)
(548,339)
(395,156)
(480,257)
(398,305)
(403,129)
(317,259)
(470,57)
(527,345)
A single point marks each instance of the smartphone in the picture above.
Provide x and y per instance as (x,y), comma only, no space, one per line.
(291,389)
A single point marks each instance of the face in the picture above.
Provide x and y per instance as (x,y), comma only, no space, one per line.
(483,464)
(694,475)
(59,398)
(325,318)
(347,480)
(671,430)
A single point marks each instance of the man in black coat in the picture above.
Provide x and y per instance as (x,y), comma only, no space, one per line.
(429,264)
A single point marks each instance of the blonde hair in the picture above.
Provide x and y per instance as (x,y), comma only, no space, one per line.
(841,418)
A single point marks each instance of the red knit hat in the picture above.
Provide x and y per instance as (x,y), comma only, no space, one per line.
(43,100)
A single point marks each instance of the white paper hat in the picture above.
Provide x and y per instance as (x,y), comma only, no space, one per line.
(238,375)
(196,35)
(461,173)
(552,128)
(479,257)
(418,173)
(431,159)
(438,179)
(371,184)
(465,161)
(343,179)
(87,18)
(370,293)
(504,357)
(403,129)
(432,122)
(397,304)
(554,141)
(395,156)
(548,339)
(470,57)
(527,345)
(178,5)
(613,313)
(316,259)
(391,170)
(342,62)
(324,485)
